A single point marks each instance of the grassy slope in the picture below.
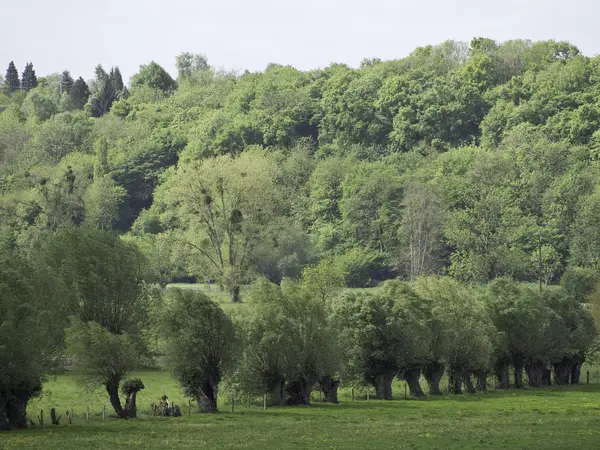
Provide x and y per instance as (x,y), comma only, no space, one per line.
(550,418)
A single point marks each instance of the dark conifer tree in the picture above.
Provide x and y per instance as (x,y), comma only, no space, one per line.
(66,82)
(11,82)
(79,93)
(29,80)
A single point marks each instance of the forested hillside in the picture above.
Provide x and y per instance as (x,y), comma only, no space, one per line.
(467,159)
(466,174)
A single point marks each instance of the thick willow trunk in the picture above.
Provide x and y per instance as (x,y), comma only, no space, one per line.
(433,372)
(466,376)
(562,371)
(112,388)
(383,385)
(454,382)
(547,376)
(299,391)
(130,409)
(207,397)
(482,380)
(575,372)
(4,425)
(412,377)
(277,397)
(518,366)
(535,373)
(13,409)
(329,386)
(502,375)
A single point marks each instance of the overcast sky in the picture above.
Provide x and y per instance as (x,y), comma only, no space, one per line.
(248,34)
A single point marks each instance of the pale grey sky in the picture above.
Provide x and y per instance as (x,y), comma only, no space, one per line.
(248,34)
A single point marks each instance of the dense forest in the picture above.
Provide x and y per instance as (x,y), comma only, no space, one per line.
(477,162)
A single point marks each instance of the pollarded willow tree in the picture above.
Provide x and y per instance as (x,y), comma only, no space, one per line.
(224,208)
(200,344)
(371,338)
(465,329)
(288,344)
(101,282)
(30,341)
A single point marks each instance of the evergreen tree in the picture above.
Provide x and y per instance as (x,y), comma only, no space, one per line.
(29,80)
(11,82)
(79,93)
(108,88)
(66,82)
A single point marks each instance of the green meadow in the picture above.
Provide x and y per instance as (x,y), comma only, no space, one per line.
(556,417)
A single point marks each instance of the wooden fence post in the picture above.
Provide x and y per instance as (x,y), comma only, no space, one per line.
(103,412)
(265,402)
(352,394)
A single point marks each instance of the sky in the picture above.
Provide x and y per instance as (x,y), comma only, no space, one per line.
(249,34)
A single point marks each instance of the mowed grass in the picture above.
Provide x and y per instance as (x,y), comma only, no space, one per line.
(557,417)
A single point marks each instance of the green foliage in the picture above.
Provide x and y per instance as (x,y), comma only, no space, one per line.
(155,77)
(224,208)
(359,266)
(100,276)
(98,355)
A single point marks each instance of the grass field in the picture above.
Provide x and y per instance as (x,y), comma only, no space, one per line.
(566,417)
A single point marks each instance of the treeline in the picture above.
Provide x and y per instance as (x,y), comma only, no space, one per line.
(84,297)
(469,160)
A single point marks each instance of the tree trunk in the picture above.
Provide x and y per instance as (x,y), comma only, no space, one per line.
(299,391)
(575,372)
(547,376)
(412,377)
(112,387)
(518,366)
(16,410)
(433,372)
(482,380)
(454,382)
(278,398)
(535,373)
(562,371)
(130,409)
(468,380)
(502,376)
(234,294)
(383,385)
(329,386)
(207,397)
(4,425)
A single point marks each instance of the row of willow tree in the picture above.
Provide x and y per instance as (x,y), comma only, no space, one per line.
(85,297)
